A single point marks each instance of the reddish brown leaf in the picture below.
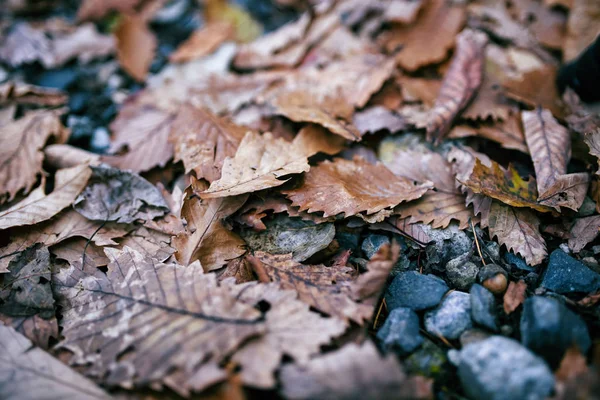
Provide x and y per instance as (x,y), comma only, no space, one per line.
(460,83)
(239,269)
(508,133)
(135,46)
(202,42)
(514,296)
(536,88)
(96,9)
(367,287)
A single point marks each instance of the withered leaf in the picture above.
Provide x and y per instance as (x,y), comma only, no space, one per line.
(430,38)
(205,237)
(376,118)
(149,242)
(119,196)
(584,231)
(351,371)
(592,139)
(96,9)
(67,156)
(143,320)
(574,378)
(35,328)
(582,27)
(202,42)
(81,251)
(550,148)
(203,140)
(38,206)
(20,155)
(518,230)
(367,287)
(351,187)
(239,269)
(31,373)
(536,88)
(144,131)
(460,83)
(508,133)
(514,296)
(135,46)
(291,329)
(14,92)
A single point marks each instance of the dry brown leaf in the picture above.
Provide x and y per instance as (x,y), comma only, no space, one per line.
(416,232)
(352,187)
(38,206)
(592,139)
(581,118)
(239,269)
(258,163)
(352,372)
(430,38)
(514,296)
(574,379)
(96,9)
(291,329)
(584,231)
(135,46)
(518,230)
(66,156)
(20,155)
(35,374)
(73,250)
(582,27)
(508,133)
(163,314)
(324,288)
(536,88)
(488,102)
(420,89)
(144,131)
(460,83)
(37,329)
(14,92)
(205,237)
(546,24)
(202,42)
(550,148)
(342,43)
(437,207)
(203,141)
(368,287)
(377,118)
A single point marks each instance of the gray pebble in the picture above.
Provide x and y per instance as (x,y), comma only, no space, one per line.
(567,275)
(415,291)
(461,273)
(400,332)
(451,318)
(483,305)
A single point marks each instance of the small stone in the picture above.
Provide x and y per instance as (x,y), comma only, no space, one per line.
(499,368)
(400,332)
(100,140)
(415,291)
(447,244)
(493,278)
(461,273)
(373,243)
(348,238)
(567,275)
(472,336)
(517,262)
(588,207)
(483,306)
(492,249)
(56,78)
(81,127)
(451,318)
(428,360)
(549,328)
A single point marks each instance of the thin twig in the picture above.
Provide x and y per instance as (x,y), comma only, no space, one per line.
(477,243)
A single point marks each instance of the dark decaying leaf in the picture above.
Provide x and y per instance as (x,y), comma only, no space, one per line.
(460,83)
(584,231)
(119,196)
(30,373)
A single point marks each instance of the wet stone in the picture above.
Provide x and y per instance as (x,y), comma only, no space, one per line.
(415,291)
(428,360)
(462,274)
(566,275)
(451,318)
(372,244)
(400,333)
(483,305)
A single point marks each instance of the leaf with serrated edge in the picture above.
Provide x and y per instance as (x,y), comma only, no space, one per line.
(584,231)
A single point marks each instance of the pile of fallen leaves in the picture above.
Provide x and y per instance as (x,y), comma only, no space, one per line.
(154,267)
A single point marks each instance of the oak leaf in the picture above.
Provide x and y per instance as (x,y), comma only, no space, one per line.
(206,238)
(202,42)
(584,231)
(20,155)
(550,148)
(39,206)
(35,374)
(514,296)
(352,187)
(135,46)
(143,320)
(352,370)
(239,269)
(460,83)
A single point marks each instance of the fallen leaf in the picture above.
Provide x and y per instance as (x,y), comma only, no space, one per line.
(548,25)
(584,231)
(35,328)
(38,206)
(460,83)
(239,269)
(550,148)
(245,27)
(489,101)
(368,287)
(203,140)
(419,89)
(168,312)
(205,237)
(508,133)
(144,132)
(149,242)
(574,378)
(202,42)
(351,370)
(66,156)
(351,187)
(582,28)
(514,296)
(21,156)
(536,88)
(430,38)
(96,9)
(119,196)
(84,44)
(592,139)
(377,118)
(35,374)
(135,46)
(14,92)
(414,231)
(82,251)
(291,329)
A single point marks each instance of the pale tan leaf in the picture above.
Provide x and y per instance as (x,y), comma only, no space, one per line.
(205,237)
(582,27)
(460,83)
(66,156)
(203,141)
(351,187)
(14,92)
(20,154)
(162,314)
(31,373)
(79,250)
(550,148)
(584,231)
(430,38)
(85,44)
(144,132)
(202,42)
(518,230)
(149,242)
(258,163)
(135,46)
(514,296)
(38,206)
(352,372)
(291,329)
(489,102)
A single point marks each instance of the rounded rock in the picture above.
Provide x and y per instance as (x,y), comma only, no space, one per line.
(451,318)
(415,291)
